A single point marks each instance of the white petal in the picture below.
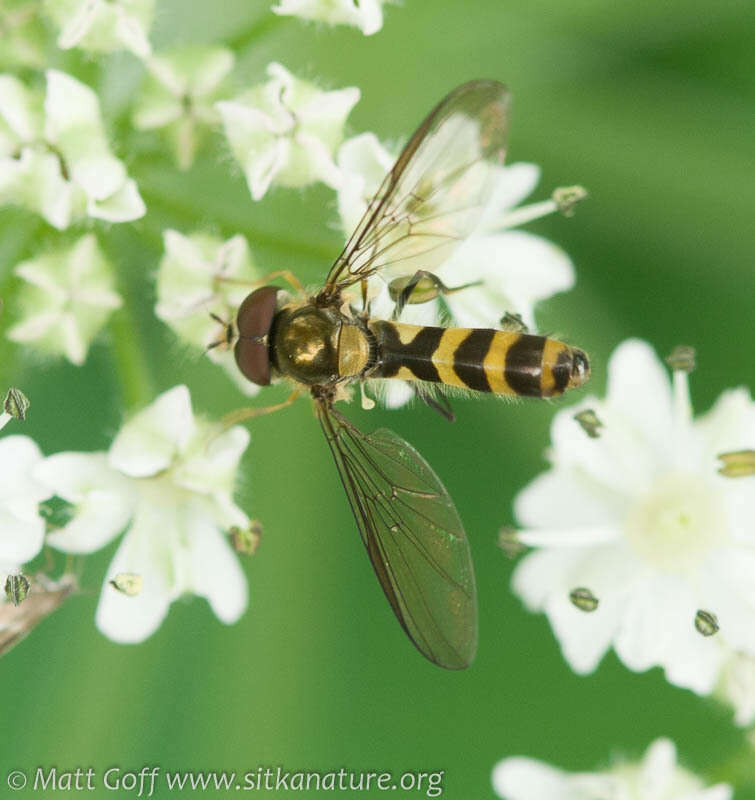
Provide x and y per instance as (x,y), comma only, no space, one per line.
(216,572)
(213,65)
(20,537)
(639,389)
(19,490)
(78,24)
(519,778)
(73,344)
(518,269)
(36,182)
(728,426)
(144,552)
(150,441)
(658,629)
(397,393)
(512,184)
(124,205)
(104,500)
(265,168)
(212,465)
(657,769)
(17,109)
(131,31)
(567,498)
(34,327)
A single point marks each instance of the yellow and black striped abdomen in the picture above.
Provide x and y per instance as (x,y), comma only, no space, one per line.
(483,359)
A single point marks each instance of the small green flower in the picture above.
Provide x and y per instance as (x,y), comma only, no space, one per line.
(286,131)
(22,34)
(200,276)
(54,155)
(179,96)
(367,15)
(103,26)
(67,298)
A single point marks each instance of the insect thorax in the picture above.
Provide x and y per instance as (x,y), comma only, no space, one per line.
(318,346)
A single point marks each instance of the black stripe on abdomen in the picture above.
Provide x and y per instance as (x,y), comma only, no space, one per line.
(469,357)
(524,365)
(416,355)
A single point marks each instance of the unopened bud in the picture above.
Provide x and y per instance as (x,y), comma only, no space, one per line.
(589,422)
(16,403)
(737,464)
(567,197)
(682,358)
(706,623)
(246,542)
(583,599)
(17,588)
(508,541)
(128,583)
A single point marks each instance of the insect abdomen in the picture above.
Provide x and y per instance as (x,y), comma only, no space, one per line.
(483,359)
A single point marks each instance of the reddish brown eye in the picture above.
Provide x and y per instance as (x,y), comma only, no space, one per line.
(254,320)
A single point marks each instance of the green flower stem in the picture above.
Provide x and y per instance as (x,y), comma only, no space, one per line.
(264,25)
(134,376)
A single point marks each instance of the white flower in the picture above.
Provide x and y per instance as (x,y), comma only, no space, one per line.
(737,687)
(54,157)
(103,25)
(22,530)
(656,777)
(367,15)
(171,476)
(641,518)
(514,269)
(286,131)
(201,275)
(180,93)
(67,299)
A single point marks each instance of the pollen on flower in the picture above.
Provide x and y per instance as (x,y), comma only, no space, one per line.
(737,464)
(583,599)
(675,525)
(706,623)
(682,358)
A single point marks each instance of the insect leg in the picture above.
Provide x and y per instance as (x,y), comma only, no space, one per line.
(424,286)
(240,414)
(439,402)
(286,274)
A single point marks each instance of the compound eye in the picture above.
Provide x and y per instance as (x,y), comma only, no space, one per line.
(254,320)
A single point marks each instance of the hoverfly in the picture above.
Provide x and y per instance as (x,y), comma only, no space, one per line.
(429,201)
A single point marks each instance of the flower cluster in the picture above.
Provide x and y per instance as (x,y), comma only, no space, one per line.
(54,155)
(656,777)
(639,516)
(167,480)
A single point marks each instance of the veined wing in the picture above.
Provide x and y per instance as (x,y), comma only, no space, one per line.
(413,535)
(432,197)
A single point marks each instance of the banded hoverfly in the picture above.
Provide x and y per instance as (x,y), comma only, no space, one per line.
(429,201)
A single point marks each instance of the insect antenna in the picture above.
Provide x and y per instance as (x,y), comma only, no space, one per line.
(227,339)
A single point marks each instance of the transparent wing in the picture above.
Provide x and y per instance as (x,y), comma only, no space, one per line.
(432,197)
(413,535)
(44,598)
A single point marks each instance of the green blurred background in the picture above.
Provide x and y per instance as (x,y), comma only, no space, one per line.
(647,104)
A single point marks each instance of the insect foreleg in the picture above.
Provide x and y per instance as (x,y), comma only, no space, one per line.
(286,274)
(240,414)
